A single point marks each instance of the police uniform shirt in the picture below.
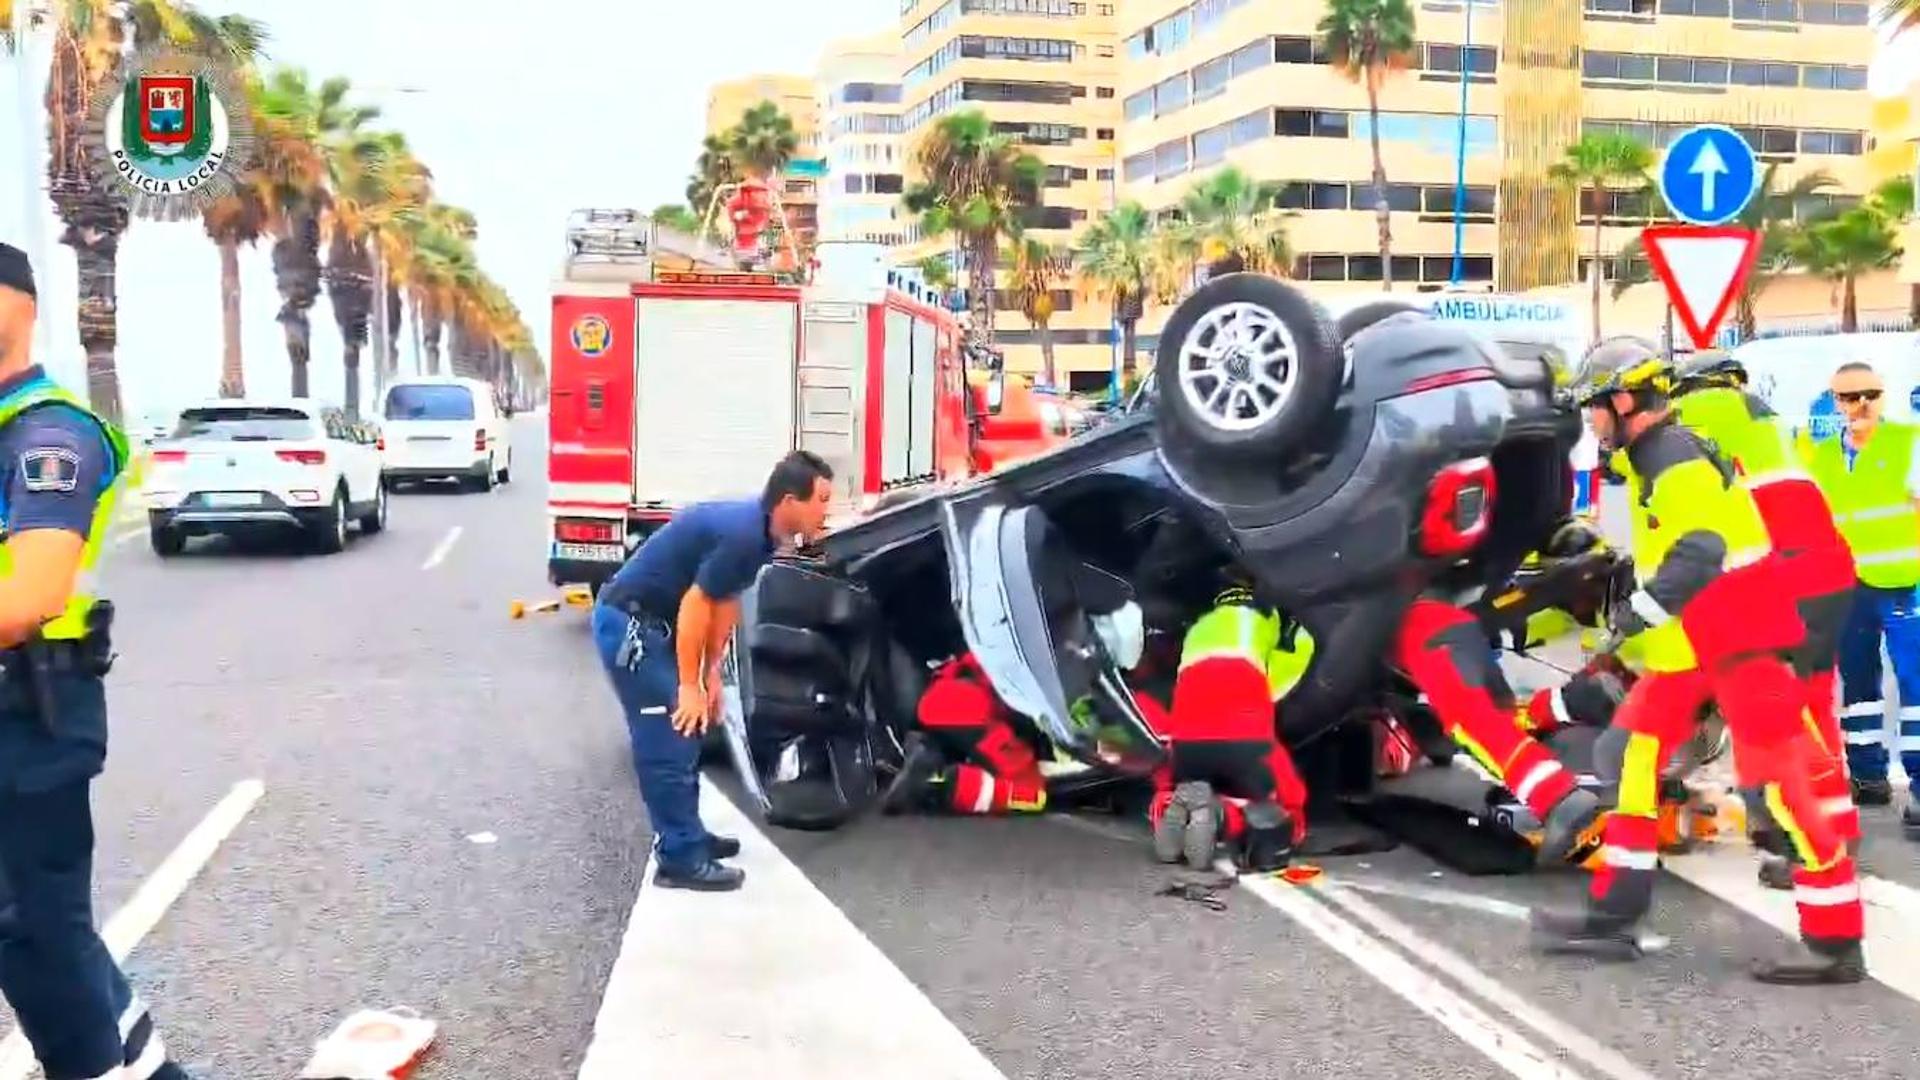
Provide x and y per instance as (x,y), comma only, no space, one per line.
(54,464)
(719,546)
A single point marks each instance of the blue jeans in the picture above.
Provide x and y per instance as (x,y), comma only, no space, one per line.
(1894,614)
(666,762)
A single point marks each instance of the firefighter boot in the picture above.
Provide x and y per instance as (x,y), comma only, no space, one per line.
(1776,871)
(913,788)
(1202,833)
(1873,792)
(1586,932)
(1571,819)
(1170,830)
(1269,843)
(1815,963)
(1910,821)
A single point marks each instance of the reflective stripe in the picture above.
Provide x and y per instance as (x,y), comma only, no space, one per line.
(1839,804)
(1827,895)
(149,1061)
(1225,652)
(1864,738)
(1535,776)
(1865,708)
(135,1010)
(1558,703)
(1628,859)
(1883,558)
(1744,557)
(1645,606)
(983,799)
(1876,513)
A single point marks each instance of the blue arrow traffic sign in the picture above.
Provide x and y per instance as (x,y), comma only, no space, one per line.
(1708,175)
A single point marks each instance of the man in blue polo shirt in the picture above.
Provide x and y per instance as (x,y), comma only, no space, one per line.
(662,625)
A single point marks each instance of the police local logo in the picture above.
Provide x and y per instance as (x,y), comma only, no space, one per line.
(175,131)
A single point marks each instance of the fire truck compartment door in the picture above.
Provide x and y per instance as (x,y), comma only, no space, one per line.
(714,400)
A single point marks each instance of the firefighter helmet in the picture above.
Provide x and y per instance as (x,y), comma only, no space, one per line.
(1710,364)
(1624,363)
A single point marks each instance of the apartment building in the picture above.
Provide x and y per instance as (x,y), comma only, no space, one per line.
(1045,72)
(1210,82)
(727,102)
(1896,152)
(858,88)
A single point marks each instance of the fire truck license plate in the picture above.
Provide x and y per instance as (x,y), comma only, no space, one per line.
(590,552)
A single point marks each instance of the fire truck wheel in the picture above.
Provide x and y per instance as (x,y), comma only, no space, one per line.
(1248,367)
(1367,314)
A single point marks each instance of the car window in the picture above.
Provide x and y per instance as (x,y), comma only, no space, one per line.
(429,402)
(244,423)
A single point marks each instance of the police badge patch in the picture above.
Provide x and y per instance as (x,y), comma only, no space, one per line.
(50,468)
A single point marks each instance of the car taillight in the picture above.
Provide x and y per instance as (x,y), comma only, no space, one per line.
(380,443)
(169,456)
(1459,509)
(585,531)
(302,457)
(479,440)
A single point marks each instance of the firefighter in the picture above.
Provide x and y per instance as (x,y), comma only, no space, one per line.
(1228,776)
(1871,475)
(968,756)
(1713,401)
(60,468)
(1716,610)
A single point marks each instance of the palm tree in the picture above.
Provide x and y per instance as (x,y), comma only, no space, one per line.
(716,166)
(1113,256)
(1600,161)
(1900,15)
(1231,221)
(89,37)
(763,141)
(240,218)
(1038,269)
(441,269)
(1894,199)
(675,216)
(1841,248)
(1368,40)
(365,186)
(976,184)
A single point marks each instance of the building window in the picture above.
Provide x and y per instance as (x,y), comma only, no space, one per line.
(1171,95)
(1293,50)
(1251,57)
(1039,93)
(1329,125)
(1137,167)
(1103,174)
(1211,145)
(1103,92)
(1210,78)
(1047,50)
(1170,158)
(1058,9)
(1039,134)
(887,184)
(1138,106)
(1327,196)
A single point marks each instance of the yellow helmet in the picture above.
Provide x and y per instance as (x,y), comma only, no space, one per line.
(1623,363)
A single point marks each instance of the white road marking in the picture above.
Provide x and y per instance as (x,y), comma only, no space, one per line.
(1501,1043)
(769,981)
(444,548)
(137,918)
(1601,1058)
(130,534)
(1486,905)
(1726,871)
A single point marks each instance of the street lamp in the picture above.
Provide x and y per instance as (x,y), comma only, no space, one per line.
(1460,158)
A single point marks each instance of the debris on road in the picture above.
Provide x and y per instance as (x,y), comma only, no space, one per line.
(575,596)
(372,1044)
(482,838)
(1300,874)
(1203,891)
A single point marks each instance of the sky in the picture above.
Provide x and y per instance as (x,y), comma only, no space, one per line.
(524,112)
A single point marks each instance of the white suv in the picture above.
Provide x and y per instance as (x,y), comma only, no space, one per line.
(249,466)
(445,428)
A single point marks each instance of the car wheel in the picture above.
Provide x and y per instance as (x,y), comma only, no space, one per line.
(1247,367)
(376,520)
(484,480)
(505,475)
(1367,314)
(167,542)
(331,537)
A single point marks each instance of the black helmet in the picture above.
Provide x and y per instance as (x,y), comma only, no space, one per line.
(1710,366)
(1623,363)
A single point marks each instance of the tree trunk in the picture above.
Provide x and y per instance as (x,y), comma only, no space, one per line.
(1381,211)
(1849,306)
(1599,275)
(396,316)
(1744,315)
(1913,308)
(1126,351)
(350,363)
(982,275)
(233,372)
(1047,372)
(299,348)
(296,273)
(96,259)
(430,334)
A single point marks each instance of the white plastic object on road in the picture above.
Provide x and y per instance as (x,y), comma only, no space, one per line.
(372,1044)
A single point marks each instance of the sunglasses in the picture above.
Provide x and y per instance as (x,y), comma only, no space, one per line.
(1854,397)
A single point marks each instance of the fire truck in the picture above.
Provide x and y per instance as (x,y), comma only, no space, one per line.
(677,378)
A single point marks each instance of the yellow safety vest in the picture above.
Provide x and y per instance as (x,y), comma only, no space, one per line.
(71,623)
(1235,632)
(1871,503)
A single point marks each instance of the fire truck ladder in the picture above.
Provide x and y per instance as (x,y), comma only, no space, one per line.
(625,242)
(727,191)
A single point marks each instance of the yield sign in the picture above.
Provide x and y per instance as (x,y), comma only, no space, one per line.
(1703,270)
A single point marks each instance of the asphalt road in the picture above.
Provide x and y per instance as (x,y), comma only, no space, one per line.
(395,716)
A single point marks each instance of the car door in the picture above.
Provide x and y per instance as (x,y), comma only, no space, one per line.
(1016,587)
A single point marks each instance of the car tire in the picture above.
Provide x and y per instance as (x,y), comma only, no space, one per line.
(167,541)
(375,520)
(1285,408)
(505,475)
(331,536)
(1367,314)
(483,480)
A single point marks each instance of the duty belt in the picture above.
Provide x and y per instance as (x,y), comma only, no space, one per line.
(634,610)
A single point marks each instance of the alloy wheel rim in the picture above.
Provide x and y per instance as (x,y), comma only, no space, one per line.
(1238,366)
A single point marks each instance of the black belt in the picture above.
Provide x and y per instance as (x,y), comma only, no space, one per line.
(62,658)
(640,613)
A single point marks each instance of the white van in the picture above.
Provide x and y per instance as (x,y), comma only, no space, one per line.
(1792,373)
(445,428)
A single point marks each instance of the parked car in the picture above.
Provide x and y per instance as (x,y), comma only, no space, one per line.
(445,428)
(1346,476)
(254,466)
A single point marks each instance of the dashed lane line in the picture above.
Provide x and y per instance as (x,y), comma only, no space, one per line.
(770,981)
(443,548)
(150,902)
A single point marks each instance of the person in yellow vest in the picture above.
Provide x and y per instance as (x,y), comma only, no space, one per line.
(1871,476)
(60,467)
(1716,626)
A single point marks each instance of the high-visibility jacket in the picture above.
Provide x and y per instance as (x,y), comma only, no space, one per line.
(1236,632)
(1680,489)
(1797,514)
(1871,502)
(71,623)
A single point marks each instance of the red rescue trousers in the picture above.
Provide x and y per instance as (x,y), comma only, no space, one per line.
(1446,654)
(1223,730)
(996,771)
(1792,773)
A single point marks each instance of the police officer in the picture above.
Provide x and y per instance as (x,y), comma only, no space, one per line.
(58,470)
(662,626)
(1871,476)
(1717,611)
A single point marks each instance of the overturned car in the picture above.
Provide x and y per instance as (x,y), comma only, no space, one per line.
(1348,468)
